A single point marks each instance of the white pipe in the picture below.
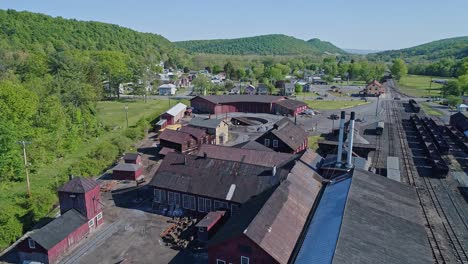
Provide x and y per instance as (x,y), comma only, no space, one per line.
(340,139)
(349,162)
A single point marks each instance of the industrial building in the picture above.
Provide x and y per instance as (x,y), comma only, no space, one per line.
(285,136)
(217,128)
(127,171)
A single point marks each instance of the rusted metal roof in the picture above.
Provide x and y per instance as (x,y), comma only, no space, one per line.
(205,122)
(131,156)
(78,185)
(312,159)
(275,219)
(291,104)
(241,98)
(291,134)
(175,136)
(197,133)
(249,156)
(214,177)
(252,144)
(211,219)
(127,167)
(165,150)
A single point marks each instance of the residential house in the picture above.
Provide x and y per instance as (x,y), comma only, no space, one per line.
(235,90)
(262,89)
(167,89)
(285,136)
(80,214)
(218,128)
(307,88)
(250,89)
(374,88)
(288,89)
(174,114)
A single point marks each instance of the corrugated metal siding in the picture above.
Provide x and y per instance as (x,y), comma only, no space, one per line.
(322,234)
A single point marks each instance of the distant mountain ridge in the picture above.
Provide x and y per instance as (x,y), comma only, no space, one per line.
(456,48)
(275,44)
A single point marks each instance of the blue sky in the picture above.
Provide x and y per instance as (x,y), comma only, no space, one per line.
(361,24)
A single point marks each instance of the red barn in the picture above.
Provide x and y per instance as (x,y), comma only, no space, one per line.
(174,114)
(81,213)
(127,171)
(220,104)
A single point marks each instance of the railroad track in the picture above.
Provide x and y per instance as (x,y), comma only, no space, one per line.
(432,207)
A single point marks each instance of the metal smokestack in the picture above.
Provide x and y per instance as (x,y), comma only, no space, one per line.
(340,139)
(349,163)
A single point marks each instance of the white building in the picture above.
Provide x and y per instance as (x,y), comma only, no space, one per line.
(167,89)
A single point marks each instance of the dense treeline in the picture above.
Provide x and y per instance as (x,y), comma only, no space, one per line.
(260,45)
(455,48)
(51,76)
(443,68)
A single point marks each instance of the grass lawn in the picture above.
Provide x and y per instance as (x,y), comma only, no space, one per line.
(429,110)
(419,85)
(332,105)
(110,113)
(313,142)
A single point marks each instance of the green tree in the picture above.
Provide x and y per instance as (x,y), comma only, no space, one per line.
(453,100)
(297,88)
(201,84)
(399,69)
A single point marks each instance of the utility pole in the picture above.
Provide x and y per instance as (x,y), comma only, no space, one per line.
(126,113)
(23,144)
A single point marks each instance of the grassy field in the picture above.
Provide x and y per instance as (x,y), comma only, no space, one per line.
(429,110)
(419,85)
(332,105)
(313,142)
(111,114)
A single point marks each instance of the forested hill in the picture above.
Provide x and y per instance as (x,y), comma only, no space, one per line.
(260,45)
(456,48)
(41,33)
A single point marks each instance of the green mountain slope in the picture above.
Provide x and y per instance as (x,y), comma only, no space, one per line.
(445,48)
(276,44)
(32,31)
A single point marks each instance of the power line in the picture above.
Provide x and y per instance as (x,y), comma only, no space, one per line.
(23,144)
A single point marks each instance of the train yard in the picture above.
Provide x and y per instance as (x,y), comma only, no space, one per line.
(430,154)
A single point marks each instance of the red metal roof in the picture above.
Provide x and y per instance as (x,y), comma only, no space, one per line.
(223,99)
(211,219)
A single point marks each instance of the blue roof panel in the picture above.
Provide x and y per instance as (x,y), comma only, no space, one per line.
(323,231)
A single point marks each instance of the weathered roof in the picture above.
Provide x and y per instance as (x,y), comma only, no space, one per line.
(291,104)
(175,136)
(58,229)
(167,86)
(223,99)
(126,167)
(249,156)
(131,156)
(252,144)
(214,177)
(275,219)
(165,150)
(291,134)
(176,109)
(460,121)
(375,82)
(312,159)
(205,122)
(382,223)
(78,185)
(197,133)
(211,219)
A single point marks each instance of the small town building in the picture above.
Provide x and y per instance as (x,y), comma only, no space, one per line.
(200,135)
(177,140)
(289,107)
(374,88)
(167,89)
(235,90)
(262,89)
(161,124)
(133,158)
(252,144)
(220,104)
(203,184)
(174,114)
(80,214)
(285,136)
(307,88)
(127,172)
(268,226)
(218,128)
(288,89)
(250,89)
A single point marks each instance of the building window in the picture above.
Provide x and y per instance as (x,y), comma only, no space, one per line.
(220,261)
(207,205)
(91,223)
(99,216)
(170,198)
(244,260)
(177,198)
(157,196)
(192,203)
(32,243)
(185,201)
(275,143)
(220,205)
(234,208)
(267,142)
(201,204)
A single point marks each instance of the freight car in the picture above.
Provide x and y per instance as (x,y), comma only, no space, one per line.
(379,129)
(414,106)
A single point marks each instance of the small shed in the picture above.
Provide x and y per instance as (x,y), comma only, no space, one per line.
(174,114)
(132,158)
(209,224)
(160,124)
(126,171)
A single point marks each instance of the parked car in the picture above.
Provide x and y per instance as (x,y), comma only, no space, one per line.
(396,98)
(319,98)
(334,117)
